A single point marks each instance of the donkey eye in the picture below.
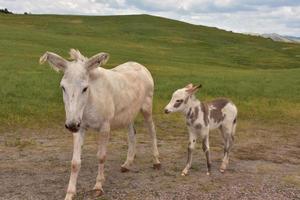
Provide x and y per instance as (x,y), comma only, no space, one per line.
(179,100)
(84,89)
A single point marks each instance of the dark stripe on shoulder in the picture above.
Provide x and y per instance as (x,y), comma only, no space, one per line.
(196,113)
(204,109)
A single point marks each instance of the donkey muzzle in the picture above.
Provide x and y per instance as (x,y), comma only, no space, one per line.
(73,127)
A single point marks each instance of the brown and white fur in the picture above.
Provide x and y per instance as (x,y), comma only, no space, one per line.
(201,118)
(103,99)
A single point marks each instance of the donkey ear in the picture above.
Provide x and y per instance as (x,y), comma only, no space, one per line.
(193,89)
(189,85)
(54,60)
(96,61)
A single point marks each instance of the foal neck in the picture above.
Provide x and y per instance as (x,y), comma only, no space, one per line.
(191,103)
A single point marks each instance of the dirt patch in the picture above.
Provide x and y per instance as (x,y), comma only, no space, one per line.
(264,165)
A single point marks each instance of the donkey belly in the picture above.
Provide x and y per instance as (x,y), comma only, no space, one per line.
(136,85)
(214,125)
(125,117)
(95,120)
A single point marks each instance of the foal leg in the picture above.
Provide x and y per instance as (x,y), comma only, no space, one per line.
(101,154)
(205,147)
(75,164)
(227,133)
(147,113)
(131,148)
(191,147)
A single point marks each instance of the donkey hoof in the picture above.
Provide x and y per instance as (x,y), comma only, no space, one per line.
(222,170)
(157,166)
(208,173)
(98,192)
(69,196)
(124,169)
(183,174)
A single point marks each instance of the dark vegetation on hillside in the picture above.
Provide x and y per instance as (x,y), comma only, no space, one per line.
(5,11)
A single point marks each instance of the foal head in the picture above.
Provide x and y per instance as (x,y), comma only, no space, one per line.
(75,82)
(180,98)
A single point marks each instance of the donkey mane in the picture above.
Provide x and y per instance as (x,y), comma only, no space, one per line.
(76,55)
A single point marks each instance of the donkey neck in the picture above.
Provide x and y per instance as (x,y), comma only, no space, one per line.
(192,102)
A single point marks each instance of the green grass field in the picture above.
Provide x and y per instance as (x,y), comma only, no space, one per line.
(261,76)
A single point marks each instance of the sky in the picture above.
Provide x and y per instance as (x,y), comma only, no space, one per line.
(243,16)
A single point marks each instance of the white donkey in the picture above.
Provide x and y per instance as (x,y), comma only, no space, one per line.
(202,117)
(103,99)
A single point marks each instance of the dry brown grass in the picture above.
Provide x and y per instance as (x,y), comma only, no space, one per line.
(258,160)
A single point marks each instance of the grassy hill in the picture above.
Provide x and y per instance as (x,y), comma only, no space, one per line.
(259,75)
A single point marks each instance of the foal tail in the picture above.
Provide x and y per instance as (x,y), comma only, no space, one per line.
(233,128)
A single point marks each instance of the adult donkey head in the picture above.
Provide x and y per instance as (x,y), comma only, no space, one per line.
(75,82)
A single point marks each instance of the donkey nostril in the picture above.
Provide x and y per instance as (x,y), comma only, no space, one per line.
(66,126)
(78,125)
(166,111)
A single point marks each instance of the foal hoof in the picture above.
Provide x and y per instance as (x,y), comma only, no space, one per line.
(124,169)
(98,192)
(208,173)
(222,170)
(157,166)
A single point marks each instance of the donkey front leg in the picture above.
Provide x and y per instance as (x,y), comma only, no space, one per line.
(131,148)
(191,147)
(76,163)
(205,147)
(101,154)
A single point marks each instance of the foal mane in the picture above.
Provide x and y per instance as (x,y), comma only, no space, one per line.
(76,55)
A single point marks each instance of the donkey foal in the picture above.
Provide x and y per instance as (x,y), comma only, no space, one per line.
(202,117)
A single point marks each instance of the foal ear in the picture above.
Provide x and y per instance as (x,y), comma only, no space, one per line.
(193,89)
(54,60)
(97,61)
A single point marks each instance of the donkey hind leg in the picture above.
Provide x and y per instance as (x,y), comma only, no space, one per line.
(228,137)
(131,148)
(147,113)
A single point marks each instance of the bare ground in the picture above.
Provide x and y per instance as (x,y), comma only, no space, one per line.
(265,164)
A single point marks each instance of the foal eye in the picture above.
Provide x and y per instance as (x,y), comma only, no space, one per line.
(84,89)
(179,100)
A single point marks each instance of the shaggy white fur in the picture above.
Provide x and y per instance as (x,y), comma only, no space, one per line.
(103,99)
